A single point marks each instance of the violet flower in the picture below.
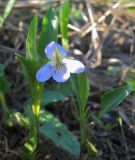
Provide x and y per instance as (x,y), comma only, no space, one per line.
(60,66)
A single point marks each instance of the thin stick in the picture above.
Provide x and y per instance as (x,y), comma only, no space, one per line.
(101,19)
(95,36)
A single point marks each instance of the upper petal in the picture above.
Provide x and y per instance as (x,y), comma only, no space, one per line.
(44,73)
(61,75)
(61,50)
(50,48)
(74,66)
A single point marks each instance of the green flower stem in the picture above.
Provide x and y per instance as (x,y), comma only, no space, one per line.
(82,120)
(83,134)
(36,110)
(36,92)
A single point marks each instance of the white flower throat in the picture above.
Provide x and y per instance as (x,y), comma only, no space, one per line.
(57,62)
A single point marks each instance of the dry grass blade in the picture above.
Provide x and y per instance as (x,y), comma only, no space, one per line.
(95,36)
(6,12)
(101,19)
(30,3)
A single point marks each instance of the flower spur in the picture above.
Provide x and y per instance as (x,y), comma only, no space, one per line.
(60,66)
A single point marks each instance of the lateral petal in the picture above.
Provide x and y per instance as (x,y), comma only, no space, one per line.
(74,66)
(44,73)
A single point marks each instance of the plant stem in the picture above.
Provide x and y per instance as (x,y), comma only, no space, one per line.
(6,113)
(36,109)
(82,130)
(33,138)
(36,100)
(124,138)
(82,118)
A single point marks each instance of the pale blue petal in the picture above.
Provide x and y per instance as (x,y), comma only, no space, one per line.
(61,50)
(74,66)
(44,73)
(61,76)
(50,48)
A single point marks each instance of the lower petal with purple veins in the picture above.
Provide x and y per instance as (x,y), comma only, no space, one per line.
(61,75)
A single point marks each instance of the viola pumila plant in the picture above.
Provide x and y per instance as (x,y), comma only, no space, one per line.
(45,59)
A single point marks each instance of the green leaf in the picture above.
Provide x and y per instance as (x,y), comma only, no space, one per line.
(31,143)
(76,14)
(53,129)
(42,39)
(112,99)
(52,26)
(36,88)
(31,44)
(20,119)
(48,32)
(1,69)
(83,88)
(91,148)
(30,67)
(64,88)
(131,83)
(131,8)
(49,96)
(4,85)
(74,85)
(80,87)
(64,13)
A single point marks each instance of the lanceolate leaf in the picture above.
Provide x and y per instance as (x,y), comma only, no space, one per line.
(51,128)
(113,98)
(83,88)
(64,12)
(54,130)
(30,68)
(48,33)
(91,148)
(42,39)
(49,96)
(131,83)
(74,85)
(52,26)
(80,86)
(31,144)
(31,44)
(83,93)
